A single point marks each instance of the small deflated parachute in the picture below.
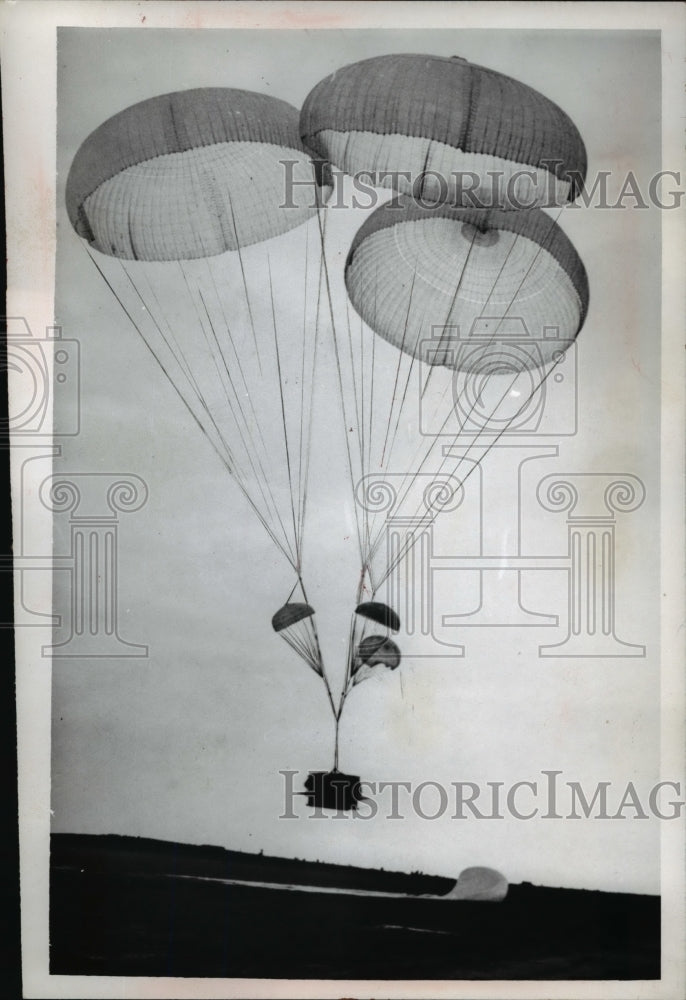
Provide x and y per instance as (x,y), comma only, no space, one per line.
(429,120)
(471,273)
(289,615)
(380,613)
(484,885)
(294,623)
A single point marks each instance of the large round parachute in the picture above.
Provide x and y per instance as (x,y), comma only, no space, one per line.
(201,209)
(183,206)
(445,129)
(464,314)
(190,174)
(412,269)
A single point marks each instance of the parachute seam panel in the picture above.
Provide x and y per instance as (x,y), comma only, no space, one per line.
(254,107)
(531,223)
(326,100)
(160,156)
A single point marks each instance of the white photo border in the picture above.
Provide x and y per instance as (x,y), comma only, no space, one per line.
(29,109)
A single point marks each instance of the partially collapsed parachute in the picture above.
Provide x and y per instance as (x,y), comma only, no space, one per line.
(428,120)
(369,651)
(374,651)
(469,273)
(379,650)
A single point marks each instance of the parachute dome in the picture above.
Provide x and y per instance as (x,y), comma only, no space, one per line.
(482,884)
(184,211)
(490,276)
(379,613)
(378,650)
(289,614)
(190,174)
(437,118)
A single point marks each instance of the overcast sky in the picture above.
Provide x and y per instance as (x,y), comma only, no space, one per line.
(187,744)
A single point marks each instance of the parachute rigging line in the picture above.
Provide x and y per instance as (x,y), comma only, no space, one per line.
(458,286)
(283,410)
(419,524)
(202,412)
(248,394)
(487,343)
(441,402)
(180,358)
(245,282)
(412,538)
(322,236)
(308,447)
(412,473)
(247,437)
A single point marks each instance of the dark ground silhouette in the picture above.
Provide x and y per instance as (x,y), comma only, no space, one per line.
(133,907)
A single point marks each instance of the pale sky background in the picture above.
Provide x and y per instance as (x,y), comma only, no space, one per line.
(187,744)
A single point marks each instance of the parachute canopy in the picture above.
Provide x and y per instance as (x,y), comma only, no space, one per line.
(294,622)
(433,118)
(191,174)
(184,204)
(377,650)
(379,613)
(484,278)
(482,884)
(289,614)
